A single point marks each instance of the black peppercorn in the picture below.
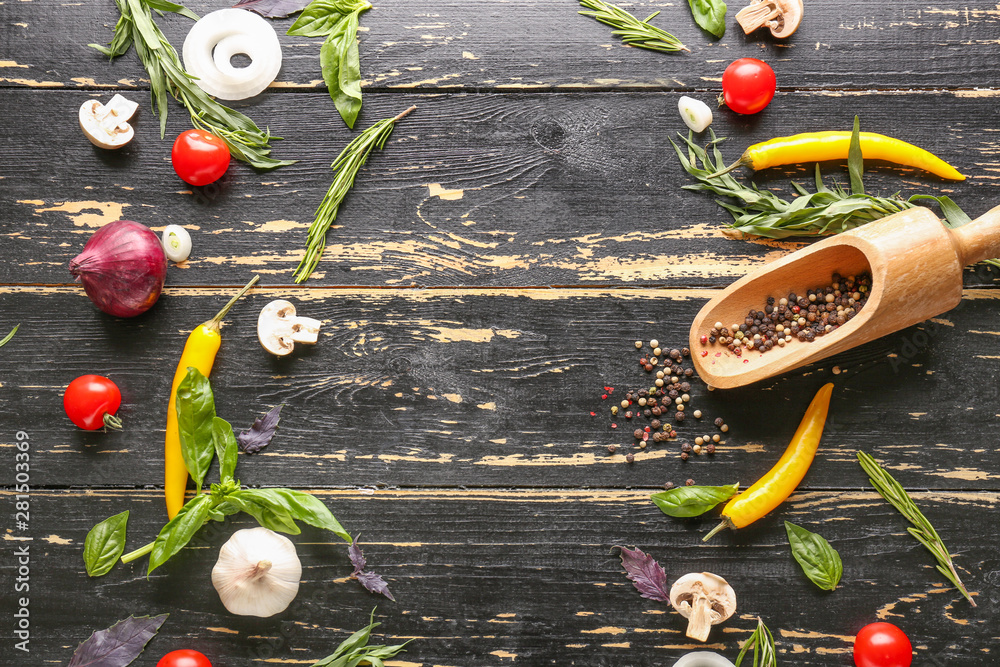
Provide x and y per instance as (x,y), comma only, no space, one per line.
(647,413)
(685,387)
(686,447)
(689,482)
(710,448)
(612,449)
(688,372)
(630,457)
(685,456)
(719,421)
(685,352)
(637,434)
(655,424)
(668,486)
(679,417)
(656,412)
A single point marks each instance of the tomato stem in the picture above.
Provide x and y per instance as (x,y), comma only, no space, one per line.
(112,421)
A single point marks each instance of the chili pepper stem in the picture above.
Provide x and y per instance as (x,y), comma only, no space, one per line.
(739,163)
(215,323)
(112,422)
(138,553)
(726,523)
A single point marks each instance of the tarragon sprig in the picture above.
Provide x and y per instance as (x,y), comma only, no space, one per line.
(136,26)
(921,529)
(6,339)
(355,650)
(347,165)
(633,31)
(762,642)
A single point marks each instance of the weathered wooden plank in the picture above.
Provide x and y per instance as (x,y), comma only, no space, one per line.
(489,388)
(511,190)
(494,577)
(542,45)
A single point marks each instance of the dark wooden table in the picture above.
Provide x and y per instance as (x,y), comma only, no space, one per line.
(485,281)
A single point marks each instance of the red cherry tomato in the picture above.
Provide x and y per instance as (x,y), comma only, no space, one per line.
(748,85)
(184,658)
(882,645)
(91,402)
(199,157)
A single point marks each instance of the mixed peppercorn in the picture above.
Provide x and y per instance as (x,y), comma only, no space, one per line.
(669,394)
(795,317)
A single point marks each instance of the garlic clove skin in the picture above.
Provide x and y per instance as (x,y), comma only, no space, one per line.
(695,113)
(257,573)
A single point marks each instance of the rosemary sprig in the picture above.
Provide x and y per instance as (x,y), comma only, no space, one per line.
(347,165)
(824,212)
(633,31)
(763,647)
(6,339)
(922,529)
(246,141)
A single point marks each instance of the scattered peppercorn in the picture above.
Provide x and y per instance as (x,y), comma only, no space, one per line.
(710,448)
(612,449)
(716,438)
(697,414)
(614,409)
(686,447)
(628,414)
(685,456)
(696,449)
(638,344)
(718,421)
(668,486)
(689,482)
(679,416)
(630,457)
(655,424)
(637,433)
(724,428)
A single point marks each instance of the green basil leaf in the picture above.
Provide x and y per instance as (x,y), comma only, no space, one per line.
(341,66)
(224,441)
(195,405)
(687,501)
(321,17)
(179,530)
(855,160)
(105,544)
(298,505)
(818,559)
(710,15)
(278,521)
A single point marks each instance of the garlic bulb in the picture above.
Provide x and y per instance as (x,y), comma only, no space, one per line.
(257,573)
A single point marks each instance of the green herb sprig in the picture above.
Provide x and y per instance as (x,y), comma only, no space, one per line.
(6,339)
(338,57)
(921,529)
(208,436)
(136,26)
(818,560)
(633,31)
(355,650)
(346,166)
(762,641)
(824,212)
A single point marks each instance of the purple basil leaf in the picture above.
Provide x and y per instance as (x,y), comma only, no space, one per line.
(258,436)
(273,9)
(119,645)
(357,557)
(374,583)
(645,574)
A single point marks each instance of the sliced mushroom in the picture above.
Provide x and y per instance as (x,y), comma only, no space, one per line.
(705,599)
(279,329)
(781,16)
(106,125)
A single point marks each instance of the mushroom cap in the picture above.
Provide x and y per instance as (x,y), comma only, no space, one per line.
(720,594)
(106,126)
(272,328)
(789,19)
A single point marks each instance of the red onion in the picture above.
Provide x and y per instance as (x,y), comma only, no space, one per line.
(122,268)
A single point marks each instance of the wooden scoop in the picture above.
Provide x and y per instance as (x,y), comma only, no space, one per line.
(916,267)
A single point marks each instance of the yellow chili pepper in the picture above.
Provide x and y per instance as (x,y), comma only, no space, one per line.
(199,352)
(820,146)
(773,488)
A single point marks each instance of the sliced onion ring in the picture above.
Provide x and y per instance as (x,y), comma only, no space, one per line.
(219,36)
(703,659)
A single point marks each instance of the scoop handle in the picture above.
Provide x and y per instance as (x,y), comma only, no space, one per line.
(979,239)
